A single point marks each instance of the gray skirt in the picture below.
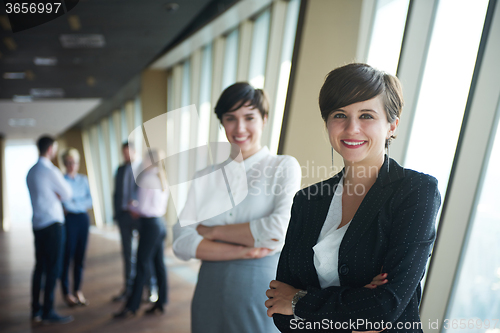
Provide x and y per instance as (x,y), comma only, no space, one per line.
(230,295)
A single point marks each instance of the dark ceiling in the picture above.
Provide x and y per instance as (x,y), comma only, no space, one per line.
(135,33)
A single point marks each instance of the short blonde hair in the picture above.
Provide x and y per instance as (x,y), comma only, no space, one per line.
(71,152)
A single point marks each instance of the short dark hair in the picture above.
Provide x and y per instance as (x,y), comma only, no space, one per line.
(240,94)
(127,144)
(358,82)
(44,143)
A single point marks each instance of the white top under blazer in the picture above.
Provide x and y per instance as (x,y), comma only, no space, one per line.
(326,250)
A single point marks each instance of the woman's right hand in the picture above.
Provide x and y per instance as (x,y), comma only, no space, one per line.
(377,281)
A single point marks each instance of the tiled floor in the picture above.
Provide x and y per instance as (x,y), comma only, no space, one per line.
(102,280)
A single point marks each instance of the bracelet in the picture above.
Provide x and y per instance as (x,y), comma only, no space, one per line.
(295,299)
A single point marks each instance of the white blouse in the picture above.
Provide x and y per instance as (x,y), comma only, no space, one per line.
(151,198)
(326,250)
(272,181)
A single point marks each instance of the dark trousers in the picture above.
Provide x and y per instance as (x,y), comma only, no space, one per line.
(77,232)
(49,245)
(150,251)
(127,225)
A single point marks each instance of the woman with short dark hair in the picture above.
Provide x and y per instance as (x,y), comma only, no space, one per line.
(357,244)
(235,219)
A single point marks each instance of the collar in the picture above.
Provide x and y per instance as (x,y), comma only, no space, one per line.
(257,157)
(390,171)
(236,167)
(67,176)
(45,161)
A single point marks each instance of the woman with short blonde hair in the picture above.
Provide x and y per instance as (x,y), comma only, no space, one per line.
(77,227)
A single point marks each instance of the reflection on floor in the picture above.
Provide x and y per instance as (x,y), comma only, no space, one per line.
(102,280)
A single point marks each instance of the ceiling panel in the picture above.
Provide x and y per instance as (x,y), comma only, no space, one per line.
(135,32)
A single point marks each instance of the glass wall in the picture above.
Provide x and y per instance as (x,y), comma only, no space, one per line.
(102,145)
(19,158)
(231,59)
(258,53)
(445,87)
(476,294)
(387,34)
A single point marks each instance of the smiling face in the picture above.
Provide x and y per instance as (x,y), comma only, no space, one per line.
(358,132)
(244,128)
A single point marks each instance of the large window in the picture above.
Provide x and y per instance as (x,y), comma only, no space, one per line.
(387,34)
(259,50)
(445,87)
(290,29)
(114,151)
(477,292)
(105,171)
(230,59)
(19,158)
(184,135)
(102,144)
(205,107)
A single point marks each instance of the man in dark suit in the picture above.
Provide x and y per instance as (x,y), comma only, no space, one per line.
(124,191)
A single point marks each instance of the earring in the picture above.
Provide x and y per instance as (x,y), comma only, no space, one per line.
(333,166)
(387,145)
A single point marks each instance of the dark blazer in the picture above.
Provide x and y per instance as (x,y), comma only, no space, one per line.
(118,192)
(393,231)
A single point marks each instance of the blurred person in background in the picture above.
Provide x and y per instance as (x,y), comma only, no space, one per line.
(149,209)
(77,227)
(47,189)
(123,194)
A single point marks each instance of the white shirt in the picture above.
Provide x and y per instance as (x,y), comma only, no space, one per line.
(45,181)
(326,250)
(272,181)
(151,199)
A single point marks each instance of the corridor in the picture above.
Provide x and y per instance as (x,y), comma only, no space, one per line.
(102,280)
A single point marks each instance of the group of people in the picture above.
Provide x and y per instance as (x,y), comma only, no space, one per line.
(60,228)
(349,249)
(140,202)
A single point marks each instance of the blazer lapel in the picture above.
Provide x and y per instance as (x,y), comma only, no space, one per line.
(371,205)
(318,203)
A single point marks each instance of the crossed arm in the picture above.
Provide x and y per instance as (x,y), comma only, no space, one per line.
(218,243)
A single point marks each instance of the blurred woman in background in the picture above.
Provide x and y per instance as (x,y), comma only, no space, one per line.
(149,208)
(77,228)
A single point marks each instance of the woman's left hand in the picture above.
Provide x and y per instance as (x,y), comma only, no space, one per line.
(206,232)
(280,298)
